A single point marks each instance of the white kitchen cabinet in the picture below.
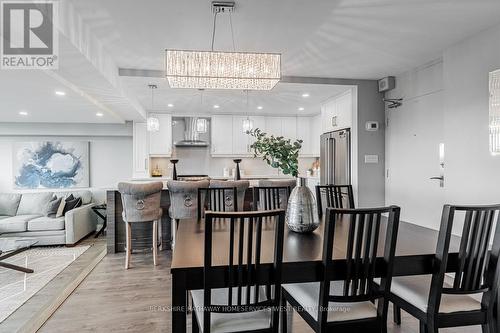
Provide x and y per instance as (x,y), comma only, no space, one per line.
(315,135)
(160,142)
(304,134)
(258,122)
(140,150)
(273,126)
(289,128)
(337,112)
(222,135)
(240,138)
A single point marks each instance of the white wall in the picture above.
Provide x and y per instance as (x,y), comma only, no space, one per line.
(472,174)
(110,150)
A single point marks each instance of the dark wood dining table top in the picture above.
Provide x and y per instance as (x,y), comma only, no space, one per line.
(413,240)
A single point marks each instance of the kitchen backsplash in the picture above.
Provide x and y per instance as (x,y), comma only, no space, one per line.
(199,161)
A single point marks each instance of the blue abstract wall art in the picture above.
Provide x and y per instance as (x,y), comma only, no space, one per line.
(51,164)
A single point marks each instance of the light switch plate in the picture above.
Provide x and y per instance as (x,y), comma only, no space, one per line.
(371,159)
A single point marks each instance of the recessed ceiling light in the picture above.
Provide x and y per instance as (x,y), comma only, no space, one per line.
(305,95)
(259,108)
(170,105)
(60,93)
(99,114)
(23,113)
(301,109)
(216,106)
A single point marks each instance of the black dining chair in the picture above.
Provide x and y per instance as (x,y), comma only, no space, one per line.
(336,196)
(270,197)
(249,299)
(438,300)
(217,199)
(353,303)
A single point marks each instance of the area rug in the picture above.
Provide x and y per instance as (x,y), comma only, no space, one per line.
(47,262)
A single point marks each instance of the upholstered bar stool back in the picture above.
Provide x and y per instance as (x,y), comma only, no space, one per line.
(141,203)
(285,188)
(184,201)
(240,185)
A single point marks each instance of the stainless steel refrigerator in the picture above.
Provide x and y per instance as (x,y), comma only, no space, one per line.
(335,158)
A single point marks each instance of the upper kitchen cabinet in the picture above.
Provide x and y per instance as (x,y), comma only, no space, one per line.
(160,142)
(258,122)
(289,127)
(308,130)
(228,137)
(336,113)
(222,135)
(282,126)
(140,150)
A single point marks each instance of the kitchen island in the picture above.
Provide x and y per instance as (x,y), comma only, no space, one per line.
(141,232)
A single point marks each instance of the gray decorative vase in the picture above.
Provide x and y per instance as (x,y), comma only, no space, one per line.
(302,213)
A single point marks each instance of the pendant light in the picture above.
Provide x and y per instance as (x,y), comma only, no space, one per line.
(153,124)
(201,123)
(222,70)
(247,123)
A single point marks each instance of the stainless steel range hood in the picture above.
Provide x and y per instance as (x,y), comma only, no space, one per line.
(190,137)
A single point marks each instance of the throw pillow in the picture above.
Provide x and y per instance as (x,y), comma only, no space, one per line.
(60,209)
(52,207)
(72,204)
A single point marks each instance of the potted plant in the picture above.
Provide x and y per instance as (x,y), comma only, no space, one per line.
(277,151)
(282,153)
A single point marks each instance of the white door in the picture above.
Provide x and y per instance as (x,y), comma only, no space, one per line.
(140,150)
(413,136)
(222,135)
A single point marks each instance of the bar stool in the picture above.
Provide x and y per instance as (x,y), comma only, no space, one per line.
(183,201)
(241,188)
(141,203)
(272,194)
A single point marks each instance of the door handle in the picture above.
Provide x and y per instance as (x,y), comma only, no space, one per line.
(441,180)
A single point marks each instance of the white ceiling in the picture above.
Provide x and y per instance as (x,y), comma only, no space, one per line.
(34,92)
(366,39)
(284,99)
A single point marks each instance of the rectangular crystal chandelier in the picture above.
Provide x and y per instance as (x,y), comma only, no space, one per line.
(494,112)
(222,70)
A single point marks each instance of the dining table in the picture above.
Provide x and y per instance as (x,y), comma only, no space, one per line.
(302,256)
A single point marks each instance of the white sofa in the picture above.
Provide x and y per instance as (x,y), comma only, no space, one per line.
(24,215)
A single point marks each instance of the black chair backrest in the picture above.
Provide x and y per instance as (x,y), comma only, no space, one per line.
(245,272)
(362,264)
(218,199)
(475,269)
(270,198)
(336,196)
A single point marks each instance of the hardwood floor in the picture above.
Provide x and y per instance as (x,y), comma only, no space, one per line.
(112,299)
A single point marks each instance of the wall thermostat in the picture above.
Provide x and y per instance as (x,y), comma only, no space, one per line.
(371,126)
(334,121)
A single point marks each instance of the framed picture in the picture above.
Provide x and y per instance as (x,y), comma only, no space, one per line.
(50,164)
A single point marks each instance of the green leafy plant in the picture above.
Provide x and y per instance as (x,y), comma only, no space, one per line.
(277,151)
